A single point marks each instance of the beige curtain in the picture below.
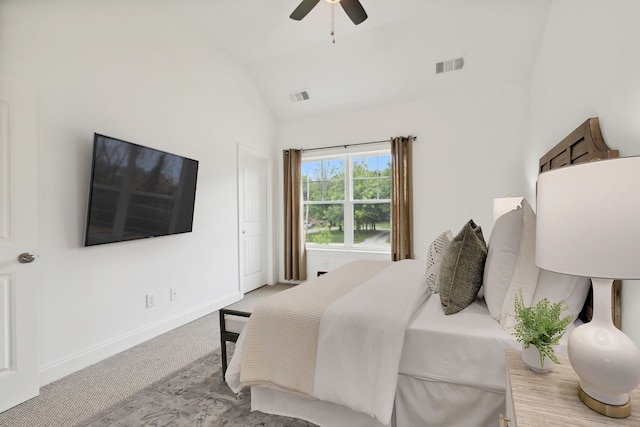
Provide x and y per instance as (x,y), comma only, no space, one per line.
(401,198)
(295,259)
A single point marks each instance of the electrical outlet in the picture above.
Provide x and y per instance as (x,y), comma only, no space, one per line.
(173,294)
(151,300)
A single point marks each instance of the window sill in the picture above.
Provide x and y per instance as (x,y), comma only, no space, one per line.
(317,249)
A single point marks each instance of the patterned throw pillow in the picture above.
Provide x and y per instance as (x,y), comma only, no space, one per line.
(462,268)
(434,259)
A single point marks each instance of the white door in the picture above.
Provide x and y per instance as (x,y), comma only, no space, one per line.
(18,235)
(252,210)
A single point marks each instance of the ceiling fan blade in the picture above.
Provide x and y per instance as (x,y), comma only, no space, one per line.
(354,10)
(303,8)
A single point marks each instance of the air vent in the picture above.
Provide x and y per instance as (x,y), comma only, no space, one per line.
(302,95)
(449,65)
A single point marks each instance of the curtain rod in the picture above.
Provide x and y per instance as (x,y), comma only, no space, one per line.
(350,145)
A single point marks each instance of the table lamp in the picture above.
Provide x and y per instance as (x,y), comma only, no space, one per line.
(588,224)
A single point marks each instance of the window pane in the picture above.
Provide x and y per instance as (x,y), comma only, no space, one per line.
(324,223)
(372,177)
(323,180)
(372,226)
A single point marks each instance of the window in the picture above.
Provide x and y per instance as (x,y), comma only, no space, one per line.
(347,201)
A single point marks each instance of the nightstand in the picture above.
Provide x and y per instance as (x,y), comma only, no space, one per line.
(551,399)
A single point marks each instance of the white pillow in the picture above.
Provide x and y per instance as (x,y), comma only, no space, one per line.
(556,287)
(526,274)
(434,259)
(503,250)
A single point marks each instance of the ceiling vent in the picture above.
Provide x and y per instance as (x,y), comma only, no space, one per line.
(302,95)
(449,65)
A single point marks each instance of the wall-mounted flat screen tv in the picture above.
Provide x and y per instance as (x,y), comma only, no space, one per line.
(138,192)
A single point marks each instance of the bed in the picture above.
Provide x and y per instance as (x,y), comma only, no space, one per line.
(350,349)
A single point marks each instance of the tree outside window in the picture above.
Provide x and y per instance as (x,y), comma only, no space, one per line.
(347,201)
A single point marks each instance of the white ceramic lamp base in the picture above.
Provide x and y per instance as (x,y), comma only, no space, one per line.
(605,359)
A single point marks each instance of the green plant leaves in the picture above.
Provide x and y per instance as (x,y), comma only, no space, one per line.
(540,325)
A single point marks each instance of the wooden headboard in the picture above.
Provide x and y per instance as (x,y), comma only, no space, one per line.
(585,144)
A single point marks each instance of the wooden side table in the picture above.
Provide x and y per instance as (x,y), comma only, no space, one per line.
(551,399)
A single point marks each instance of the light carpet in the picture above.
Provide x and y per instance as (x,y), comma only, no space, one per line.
(194,396)
(75,398)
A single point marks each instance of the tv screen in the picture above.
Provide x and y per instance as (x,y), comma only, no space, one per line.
(138,192)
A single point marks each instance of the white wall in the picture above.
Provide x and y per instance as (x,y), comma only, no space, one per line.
(118,69)
(114,68)
(588,67)
(460,135)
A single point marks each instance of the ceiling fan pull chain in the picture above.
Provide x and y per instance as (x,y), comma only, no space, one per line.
(333,33)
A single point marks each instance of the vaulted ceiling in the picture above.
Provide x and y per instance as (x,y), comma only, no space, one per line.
(390,57)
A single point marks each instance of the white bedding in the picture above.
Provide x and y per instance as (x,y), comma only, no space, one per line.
(381,355)
(467,348)
(360,341)
(452,370)
(463,348)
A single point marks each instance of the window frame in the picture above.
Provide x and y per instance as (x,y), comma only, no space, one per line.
(348,203)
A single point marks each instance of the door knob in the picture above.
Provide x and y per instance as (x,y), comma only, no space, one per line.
(26,258)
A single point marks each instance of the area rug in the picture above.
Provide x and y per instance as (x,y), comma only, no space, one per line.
(194,396)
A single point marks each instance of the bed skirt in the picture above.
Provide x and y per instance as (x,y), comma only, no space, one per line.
(324,414)
(418,403)
(440,404)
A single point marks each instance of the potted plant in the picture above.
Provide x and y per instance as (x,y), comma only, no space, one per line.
(539,328)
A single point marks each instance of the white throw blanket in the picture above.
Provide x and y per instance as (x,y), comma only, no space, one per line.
(358,344)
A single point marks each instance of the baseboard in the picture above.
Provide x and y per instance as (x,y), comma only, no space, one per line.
(63,367)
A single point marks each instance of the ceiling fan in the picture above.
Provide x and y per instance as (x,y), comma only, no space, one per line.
(352,8)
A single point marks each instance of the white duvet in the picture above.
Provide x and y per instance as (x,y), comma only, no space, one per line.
(360,341)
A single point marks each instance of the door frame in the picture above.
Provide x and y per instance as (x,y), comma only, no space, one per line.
(242,151)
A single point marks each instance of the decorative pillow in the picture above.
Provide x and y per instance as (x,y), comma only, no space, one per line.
(460,275)
(502,256)
(557,287)
(525,276)
(434,259)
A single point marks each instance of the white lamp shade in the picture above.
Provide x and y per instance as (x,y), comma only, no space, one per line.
(588,219)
